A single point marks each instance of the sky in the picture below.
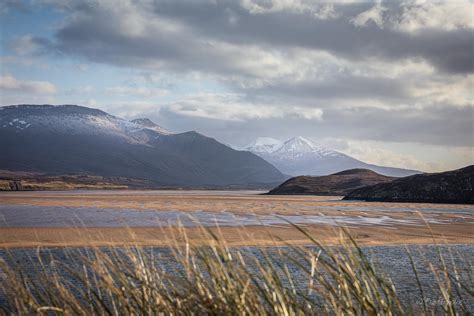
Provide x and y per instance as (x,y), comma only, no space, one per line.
(387,82)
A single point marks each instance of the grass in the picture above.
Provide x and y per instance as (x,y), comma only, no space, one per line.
(214,279)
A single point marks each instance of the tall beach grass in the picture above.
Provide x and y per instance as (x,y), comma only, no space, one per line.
(210,278)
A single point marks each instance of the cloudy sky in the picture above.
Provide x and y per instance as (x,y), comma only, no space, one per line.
(386,82)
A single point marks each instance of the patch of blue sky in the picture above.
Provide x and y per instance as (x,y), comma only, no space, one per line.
(36,20)
(70,74)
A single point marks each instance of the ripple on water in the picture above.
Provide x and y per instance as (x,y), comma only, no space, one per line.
(39,216)
(390,260)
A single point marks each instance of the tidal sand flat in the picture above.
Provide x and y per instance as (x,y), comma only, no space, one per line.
(204,239)
(75,218)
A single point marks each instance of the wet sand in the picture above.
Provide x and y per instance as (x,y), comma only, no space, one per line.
(234,236)
(457,227)
(235,201)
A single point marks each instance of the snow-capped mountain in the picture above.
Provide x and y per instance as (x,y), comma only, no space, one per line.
(293,148)
(299,147)
(75,140)
(303,156)
(76,120)
(263,145)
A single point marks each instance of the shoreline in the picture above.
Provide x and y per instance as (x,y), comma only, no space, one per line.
(452,224)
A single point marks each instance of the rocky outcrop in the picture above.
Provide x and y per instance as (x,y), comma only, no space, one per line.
(339,183)
(445,187)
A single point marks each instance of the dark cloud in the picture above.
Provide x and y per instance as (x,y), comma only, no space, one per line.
(433,125)
(339,87)
(437,125)
(268,56)
(95,33)
(450,51)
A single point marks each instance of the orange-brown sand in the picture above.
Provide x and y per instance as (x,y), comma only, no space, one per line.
(234,236)
(235,201)
(459,230)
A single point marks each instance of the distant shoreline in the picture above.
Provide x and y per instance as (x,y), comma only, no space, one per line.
(393,223)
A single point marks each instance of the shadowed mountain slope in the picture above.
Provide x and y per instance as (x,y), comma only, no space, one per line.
(70,139)
(445,187)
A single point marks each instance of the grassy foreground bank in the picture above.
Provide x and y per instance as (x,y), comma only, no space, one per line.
(214,279)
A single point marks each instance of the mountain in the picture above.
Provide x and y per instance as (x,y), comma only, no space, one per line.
(263,145)
(76,140)
(339,183)
(147,123)
(445,187)
(301,156)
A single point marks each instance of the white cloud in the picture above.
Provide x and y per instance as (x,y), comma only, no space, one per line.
(374,14)
(8,83)
(372,152)
(232,107)
(444,15)
(417,15)
(455,91)
(428,158)
(135,91)
(318,10)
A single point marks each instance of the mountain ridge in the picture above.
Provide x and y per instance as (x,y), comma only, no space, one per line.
(302,156)
(70,139)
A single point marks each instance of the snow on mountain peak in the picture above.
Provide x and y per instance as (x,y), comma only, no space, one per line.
(149,124)
(263,145)
(73,120)
(299,143)
(299,146)
(294,147)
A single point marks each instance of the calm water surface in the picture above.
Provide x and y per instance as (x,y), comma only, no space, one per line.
(62,216)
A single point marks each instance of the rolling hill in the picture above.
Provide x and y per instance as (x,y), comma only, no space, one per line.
(445,187)
(339,183)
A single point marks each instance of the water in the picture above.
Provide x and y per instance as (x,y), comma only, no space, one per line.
(223,208)
(423,208)
(391,260)
(62,216)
